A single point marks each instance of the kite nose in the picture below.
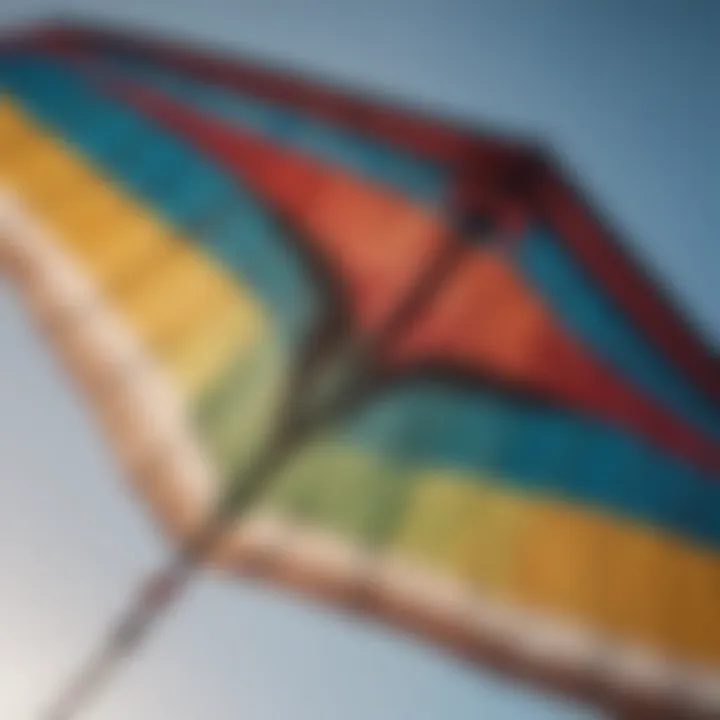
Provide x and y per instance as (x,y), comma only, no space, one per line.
(493,199)
(472,225)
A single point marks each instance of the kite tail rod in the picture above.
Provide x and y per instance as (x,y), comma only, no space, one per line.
(157,594)
(165,587)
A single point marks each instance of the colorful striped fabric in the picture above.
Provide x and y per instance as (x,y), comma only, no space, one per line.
(530,473)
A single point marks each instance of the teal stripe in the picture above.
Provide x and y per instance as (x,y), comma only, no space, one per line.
(593,317)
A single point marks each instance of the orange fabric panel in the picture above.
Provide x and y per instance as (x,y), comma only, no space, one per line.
(693,623)
(484,318)
(635,597)
(380,244)
(557,561)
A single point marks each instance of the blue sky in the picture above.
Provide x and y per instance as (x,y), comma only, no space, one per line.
(624,93)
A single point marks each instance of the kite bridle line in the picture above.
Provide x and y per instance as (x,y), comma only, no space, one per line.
(302,415)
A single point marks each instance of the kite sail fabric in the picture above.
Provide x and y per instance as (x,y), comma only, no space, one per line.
(480,420)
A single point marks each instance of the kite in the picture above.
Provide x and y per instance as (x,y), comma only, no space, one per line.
(371,356)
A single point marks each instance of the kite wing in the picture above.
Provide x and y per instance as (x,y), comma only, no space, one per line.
(530,478)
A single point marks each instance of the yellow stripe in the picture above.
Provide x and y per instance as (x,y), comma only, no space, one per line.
(438,511)
(205,352)
(486,546)
(557,565)
(619,578)
(186,308)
